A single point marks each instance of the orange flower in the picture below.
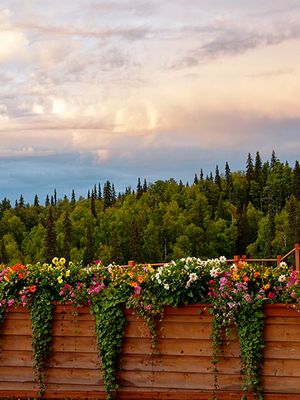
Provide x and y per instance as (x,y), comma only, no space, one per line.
(245,278)
(267,286)
(32,289)
(256,274)
(132,283)
(21,275)
(6,278)
(130,273)
(235,276)
(140,279)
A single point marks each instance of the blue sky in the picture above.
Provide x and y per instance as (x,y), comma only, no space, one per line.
(97,90)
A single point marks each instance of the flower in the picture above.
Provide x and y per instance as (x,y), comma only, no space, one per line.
(60,279)
(214,272)
(282,278)
(32,288)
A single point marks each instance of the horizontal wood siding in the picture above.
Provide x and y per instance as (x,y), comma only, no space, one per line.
(182,370)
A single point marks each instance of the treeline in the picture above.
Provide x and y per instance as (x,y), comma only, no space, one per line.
(254,212)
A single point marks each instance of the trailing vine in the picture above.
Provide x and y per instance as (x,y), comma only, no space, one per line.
(250,326)
(110,324)
(41,321)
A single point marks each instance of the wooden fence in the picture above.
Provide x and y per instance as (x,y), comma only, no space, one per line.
(183,369)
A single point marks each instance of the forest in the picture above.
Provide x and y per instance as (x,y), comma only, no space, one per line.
(254,212)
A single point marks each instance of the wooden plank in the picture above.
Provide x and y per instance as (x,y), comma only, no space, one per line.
(282,333)
(282,368)
(74,360)
(85,344)
(16,327)
(12,342)
(283,350)
(276,384)
(175,380)
(77,376)
(171,330)
(67,328)
(186,364)
(13,374)
(11,358)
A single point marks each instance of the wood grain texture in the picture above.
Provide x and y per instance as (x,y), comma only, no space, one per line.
(183,370)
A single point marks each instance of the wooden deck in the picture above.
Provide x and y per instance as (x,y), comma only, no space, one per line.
(182,371)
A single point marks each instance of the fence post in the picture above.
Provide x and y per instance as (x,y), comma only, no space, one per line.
(236,259)
(244,258)
(297,257)
(131,263)
(278,260)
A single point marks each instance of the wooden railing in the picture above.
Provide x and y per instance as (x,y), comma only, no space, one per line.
(295,250)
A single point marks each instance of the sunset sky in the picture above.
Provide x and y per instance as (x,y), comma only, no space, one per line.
(121,89)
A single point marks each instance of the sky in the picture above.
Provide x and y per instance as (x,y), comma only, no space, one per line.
(92,90)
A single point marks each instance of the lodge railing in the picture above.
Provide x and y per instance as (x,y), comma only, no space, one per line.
(295,250)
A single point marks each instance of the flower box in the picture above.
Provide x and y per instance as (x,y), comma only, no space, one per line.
(183,370)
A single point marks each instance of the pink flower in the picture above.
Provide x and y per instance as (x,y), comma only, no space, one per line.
(271,295)
(10,302)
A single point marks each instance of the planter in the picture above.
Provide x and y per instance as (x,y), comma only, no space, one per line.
(183,369)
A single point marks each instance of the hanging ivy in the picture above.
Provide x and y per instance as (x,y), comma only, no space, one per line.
(110,324)
(41,309)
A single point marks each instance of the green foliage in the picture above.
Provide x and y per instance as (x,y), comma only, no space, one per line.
(41,323)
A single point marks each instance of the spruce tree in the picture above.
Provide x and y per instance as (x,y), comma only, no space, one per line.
(297,181)
(99,192)
(21,202)
(50,240)
(196,180)
(107,195)
(217,177)
(139,189)
(55,197)
(73,197)
(47,201)
(67,239)
(249,168)
(89,251)
(145,186)
(92,204)
(36,202)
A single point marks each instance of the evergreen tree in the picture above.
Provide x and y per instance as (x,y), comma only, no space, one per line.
(52,201)
(89,251)
(99,192)
(249,168)
(274,160)
(50,240)
(145,186)
(21,202)
(196,180)
(88,194)
(92,204)
(55,197)
(201,174)
(258,168)
(114,195)
(107,195)
(67,239)
(116,251)
(47,201)
(3,253)
(73,198)
(36,202)
(296,188)
(139,189)
(229,189)
(217,177)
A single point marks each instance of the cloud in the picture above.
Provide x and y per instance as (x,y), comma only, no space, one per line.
(234,40)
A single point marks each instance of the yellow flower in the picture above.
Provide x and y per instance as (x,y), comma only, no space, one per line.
(267,286)
(62,260)
(55,260)
(60,279)
(67,272)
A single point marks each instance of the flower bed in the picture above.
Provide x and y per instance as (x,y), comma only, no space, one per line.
(68,318)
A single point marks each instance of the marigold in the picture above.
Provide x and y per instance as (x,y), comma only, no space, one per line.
(140,279)
(133,283)
(256,274)
(21,275)
(245,278)
(32,289)
(267,286)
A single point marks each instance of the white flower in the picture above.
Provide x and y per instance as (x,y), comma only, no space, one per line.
(166,286)
(193,277)
(222,259)
(214,272)
(283,264)
(282,278)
